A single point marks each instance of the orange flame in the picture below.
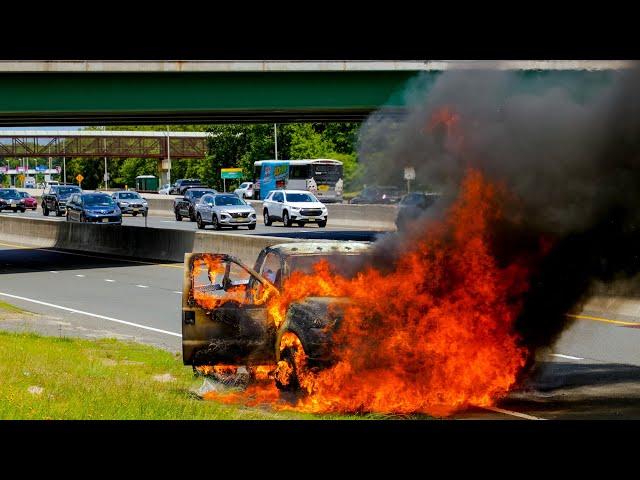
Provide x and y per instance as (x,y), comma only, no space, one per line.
(434,335)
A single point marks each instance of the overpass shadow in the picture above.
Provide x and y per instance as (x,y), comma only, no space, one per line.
(579,391)
(30,260)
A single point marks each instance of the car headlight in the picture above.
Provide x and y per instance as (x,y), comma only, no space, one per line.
(123,204)
(295,208)
(224,214)
(144,204)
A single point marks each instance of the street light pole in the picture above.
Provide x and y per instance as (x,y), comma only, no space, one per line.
(275,135)
(106,172)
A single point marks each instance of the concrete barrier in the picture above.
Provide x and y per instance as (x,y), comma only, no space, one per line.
(135,242)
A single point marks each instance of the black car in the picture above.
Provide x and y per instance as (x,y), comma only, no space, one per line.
(11,199)
(186,206)
(383,195)
(55,199)
(412,206)
(93,208)
(181,185)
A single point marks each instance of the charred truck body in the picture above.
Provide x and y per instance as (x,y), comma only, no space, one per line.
(225,319)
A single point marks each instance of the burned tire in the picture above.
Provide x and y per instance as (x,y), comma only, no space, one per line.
(291,371)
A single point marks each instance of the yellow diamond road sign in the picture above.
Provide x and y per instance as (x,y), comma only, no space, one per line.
(79,178)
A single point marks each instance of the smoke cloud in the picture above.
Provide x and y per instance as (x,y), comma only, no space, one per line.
(566,146)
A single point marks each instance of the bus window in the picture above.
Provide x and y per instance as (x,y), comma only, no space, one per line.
(299,172)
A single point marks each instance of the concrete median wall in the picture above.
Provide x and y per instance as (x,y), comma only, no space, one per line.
(135,242)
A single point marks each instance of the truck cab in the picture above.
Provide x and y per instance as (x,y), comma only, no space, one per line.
(225,319)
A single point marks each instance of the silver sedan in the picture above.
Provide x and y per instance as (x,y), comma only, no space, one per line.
(224,210)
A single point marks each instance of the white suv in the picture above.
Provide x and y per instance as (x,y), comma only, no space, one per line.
(289,206)
(245,190)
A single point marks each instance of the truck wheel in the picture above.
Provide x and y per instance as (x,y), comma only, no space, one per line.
(215,223)
(178,216)
(322,224)
(267,218)
(45,210)
(291,373)
(200,223)
(286,220)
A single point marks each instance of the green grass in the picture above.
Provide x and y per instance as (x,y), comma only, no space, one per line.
(7,307)
(106,379)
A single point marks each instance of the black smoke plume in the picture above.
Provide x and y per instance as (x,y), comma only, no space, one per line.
(567,145)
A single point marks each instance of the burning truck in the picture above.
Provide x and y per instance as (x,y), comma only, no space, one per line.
(229,319)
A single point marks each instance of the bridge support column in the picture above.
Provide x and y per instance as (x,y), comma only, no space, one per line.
(164,169)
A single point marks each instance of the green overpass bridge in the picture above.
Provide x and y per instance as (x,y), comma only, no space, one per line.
(55,93)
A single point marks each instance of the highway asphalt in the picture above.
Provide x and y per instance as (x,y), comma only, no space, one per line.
(310,231)
(593,371)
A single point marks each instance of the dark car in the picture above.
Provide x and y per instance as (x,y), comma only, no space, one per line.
(131,202)
(181,185)
(412,206)
(11,199)
(93,208)
(55,198)
(186,206)
(384,195)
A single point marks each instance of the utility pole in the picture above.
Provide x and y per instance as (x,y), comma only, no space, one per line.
(106,171)
(64,163)
(275,136)
(168,158)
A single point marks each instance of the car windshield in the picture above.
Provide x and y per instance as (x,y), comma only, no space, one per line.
(9,194)
(346,265)
(129,195)
(413,199)
(100,200)
(389,190)
(199,193)
(23,194)
(300,197)
(229,200)
(67,190)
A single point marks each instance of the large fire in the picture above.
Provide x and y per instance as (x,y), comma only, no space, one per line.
(433,333)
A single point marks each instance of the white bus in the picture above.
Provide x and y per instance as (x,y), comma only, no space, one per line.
(322,176)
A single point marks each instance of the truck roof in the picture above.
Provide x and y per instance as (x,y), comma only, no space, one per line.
(310,248)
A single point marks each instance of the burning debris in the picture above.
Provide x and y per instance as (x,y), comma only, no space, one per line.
(543,199)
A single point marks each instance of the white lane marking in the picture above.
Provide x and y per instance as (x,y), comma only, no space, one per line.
(108,280)
(515,414)
(53,271)
(80,276)
(176,291)
(565,356)
(142,286)
(73,310)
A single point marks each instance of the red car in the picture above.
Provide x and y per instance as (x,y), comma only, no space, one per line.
(30,203)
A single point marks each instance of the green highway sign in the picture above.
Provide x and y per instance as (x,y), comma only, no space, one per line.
(231,173)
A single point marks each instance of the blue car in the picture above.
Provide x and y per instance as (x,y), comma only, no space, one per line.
(93,208)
